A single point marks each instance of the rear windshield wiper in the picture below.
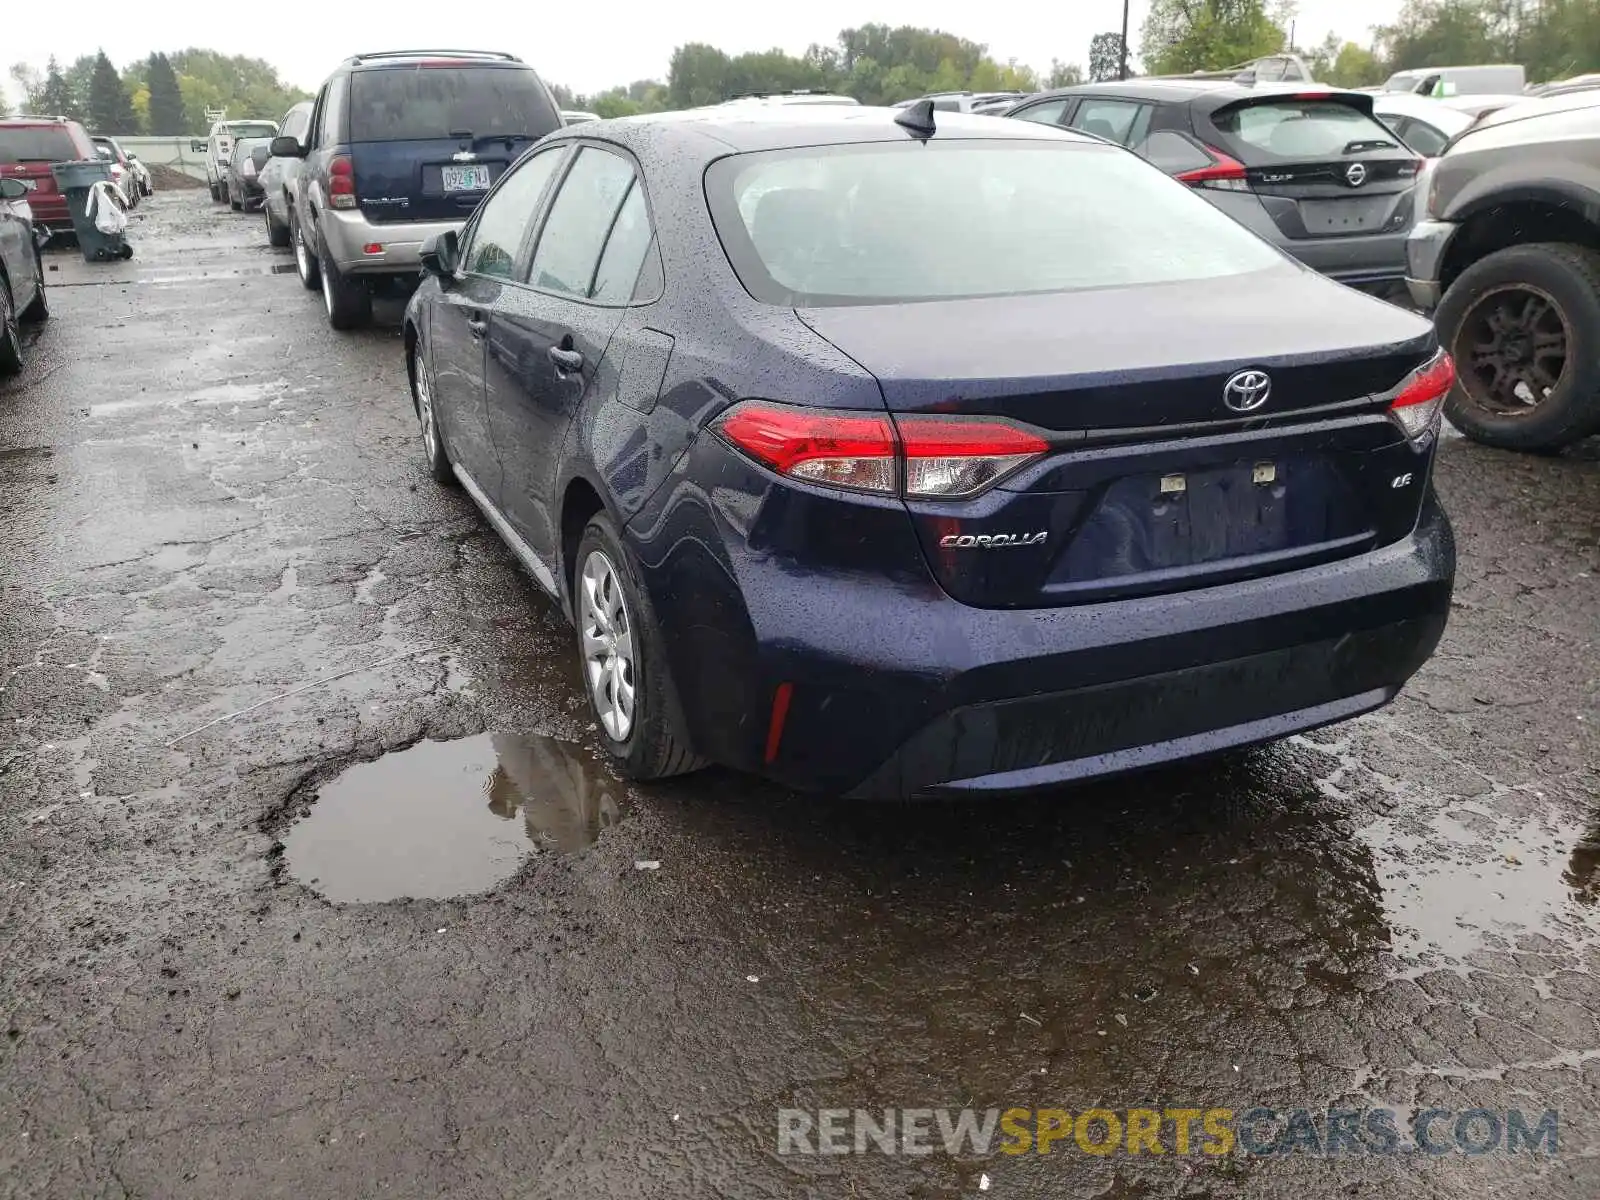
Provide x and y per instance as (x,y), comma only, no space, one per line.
(1356,147)
(466,137)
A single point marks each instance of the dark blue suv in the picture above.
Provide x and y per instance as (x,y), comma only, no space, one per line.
(403,145)
(932,453)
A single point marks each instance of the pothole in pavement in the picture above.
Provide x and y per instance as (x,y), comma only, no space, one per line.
(453,818)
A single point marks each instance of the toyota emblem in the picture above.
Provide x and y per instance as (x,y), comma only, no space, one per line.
(1246,391)
(1355,174)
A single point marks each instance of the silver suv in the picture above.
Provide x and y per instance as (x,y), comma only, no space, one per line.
(403,146)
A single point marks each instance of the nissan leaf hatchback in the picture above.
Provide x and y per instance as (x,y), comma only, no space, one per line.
(889,457)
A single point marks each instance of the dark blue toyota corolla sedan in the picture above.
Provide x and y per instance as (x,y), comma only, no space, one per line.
(889,459)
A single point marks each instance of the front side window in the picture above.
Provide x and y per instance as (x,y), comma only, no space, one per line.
(870,224)
(506,215)
(580,221)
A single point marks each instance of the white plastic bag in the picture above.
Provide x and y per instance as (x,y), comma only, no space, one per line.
(106,208)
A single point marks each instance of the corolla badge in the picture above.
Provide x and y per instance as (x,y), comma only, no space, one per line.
(1246,391)
(1355,174)
(990,541)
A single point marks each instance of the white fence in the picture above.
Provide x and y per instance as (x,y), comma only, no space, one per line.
(169,151)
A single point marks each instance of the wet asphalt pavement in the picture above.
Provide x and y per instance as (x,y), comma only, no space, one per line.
(209,500)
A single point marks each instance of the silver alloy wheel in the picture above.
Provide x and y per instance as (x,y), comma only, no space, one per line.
(302,261)
(606,631)
(430,431)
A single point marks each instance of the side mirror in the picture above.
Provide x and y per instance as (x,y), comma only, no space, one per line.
(284,146)
(13,189)
(441,254)
(133,158)
(196,145)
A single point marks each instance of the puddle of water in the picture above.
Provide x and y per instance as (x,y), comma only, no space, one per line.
(26,452)
(455,818)
(1445,889)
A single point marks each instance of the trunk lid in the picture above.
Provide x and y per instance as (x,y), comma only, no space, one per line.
(1152,482)
(428,137)
(1320,164)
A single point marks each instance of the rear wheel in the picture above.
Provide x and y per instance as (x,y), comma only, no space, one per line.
(623,663)
(1523,326)
(428,419)
(235,203)
(39,309)
(10,337)
(305,263)
(216,192)
(222,192)
(347,300)
(277,231)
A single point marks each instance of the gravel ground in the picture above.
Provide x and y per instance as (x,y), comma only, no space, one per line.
(210,501)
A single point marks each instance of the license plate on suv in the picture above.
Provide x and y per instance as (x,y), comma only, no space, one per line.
(465,179)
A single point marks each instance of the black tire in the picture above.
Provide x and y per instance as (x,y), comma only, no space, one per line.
(277,232)
(235,203)
(434,451)
(216,192)
(39,310)
(347,301)
(10,337)
(1560,282)
(305,258)
(656,745)
(222,193)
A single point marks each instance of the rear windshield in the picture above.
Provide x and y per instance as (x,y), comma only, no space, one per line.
(246,129)
(889,222)
(36,145)
(416,104)
(1297,129)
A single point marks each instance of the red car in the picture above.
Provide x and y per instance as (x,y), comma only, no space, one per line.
(28,145)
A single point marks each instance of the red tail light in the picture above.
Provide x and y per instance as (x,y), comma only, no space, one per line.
(341,183)
(1420,396)
(934,456)
(1226,174)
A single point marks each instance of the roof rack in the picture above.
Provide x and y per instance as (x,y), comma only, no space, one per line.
(499,55)
(38,117)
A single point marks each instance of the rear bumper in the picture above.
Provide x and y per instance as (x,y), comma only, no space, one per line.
(1425,251)
(1361,261)
(347,234)
(50,211)
(897,690)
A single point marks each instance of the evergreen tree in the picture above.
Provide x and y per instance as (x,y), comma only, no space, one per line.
(110,109)
(166,98)
(56,100)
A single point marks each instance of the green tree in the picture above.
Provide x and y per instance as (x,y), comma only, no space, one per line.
(110,108)
(1207,35)
(1063,74)
(245,87)
(55,97)
(166,117)
(1105,57)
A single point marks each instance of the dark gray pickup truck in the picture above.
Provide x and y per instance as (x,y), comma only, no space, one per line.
(1507,250)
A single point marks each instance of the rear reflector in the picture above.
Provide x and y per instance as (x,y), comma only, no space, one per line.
(1421,395)
(780,714)
(943,457)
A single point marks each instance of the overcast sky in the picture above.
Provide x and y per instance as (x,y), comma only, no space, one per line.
(590,46)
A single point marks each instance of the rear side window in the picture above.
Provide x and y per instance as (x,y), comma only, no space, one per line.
(1115,120)
(294,125)
(1297,129)
(579,222)
(43,144)
(1048,113)
(625,249)
(423,103)
(871,224)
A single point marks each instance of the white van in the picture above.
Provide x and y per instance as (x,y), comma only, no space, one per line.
(1459,81)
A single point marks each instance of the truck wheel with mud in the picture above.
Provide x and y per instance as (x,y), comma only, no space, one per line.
(1523,325)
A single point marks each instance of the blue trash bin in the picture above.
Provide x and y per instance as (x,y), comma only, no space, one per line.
(74,179)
